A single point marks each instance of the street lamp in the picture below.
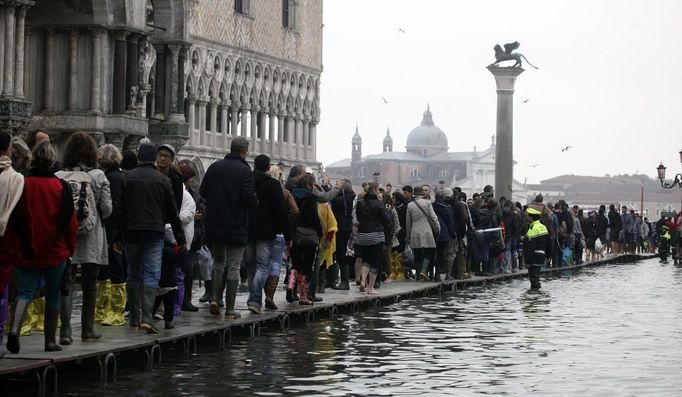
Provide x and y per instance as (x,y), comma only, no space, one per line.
(661,175)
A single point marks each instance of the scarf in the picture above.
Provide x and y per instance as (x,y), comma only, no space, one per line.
(11,187)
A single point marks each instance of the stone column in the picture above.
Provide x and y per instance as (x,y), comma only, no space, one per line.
(306,136)
(214,120)
(280,133)
(49,70)
(223,121)
(96,85)
(299,136)
(262,130)
(73,70)
(190,118)
(177,86)
(505,77)
(291,135)
(19,57)
(254,129)
(131,70)
(201,104)
(120,54)
(313,137)
(8,83)
(244,111)
(271,131)
(160,83)
(234,113)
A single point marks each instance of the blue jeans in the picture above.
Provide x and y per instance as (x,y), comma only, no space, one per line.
(510,256)
(277,254)
(258,264)
(144,264)
(28,282)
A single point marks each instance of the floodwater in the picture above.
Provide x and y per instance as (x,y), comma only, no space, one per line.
(614,330)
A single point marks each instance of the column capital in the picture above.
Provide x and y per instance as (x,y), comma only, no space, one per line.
(235,105)
(160,48)
(307,118)
(10,8)
(245,107)
(73,34)
(120,35)
(22,11)
(255,108)
(214,102)
(264,109)
(281,115)
(97,32)
(225,103)
(191,98)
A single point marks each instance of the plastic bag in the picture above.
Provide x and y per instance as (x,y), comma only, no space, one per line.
(598,246)
(408,257)
(203,264)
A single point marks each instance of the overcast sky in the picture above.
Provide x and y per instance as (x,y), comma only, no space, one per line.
(609,83)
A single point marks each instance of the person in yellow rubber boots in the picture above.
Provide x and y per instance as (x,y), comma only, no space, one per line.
(535,245)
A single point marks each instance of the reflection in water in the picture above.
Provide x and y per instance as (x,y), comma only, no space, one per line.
(613,330)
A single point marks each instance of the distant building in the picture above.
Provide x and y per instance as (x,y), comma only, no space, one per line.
(425,161)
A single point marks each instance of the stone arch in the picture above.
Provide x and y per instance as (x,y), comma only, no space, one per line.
(233,98)
(190,86)
(199,168)
(281,103)
(253,96)
(171,15)
(202,88)
(223,91)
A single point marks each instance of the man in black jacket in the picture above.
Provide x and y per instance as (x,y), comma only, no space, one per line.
(342,207)
(267,220)
(229,190)
(148,204)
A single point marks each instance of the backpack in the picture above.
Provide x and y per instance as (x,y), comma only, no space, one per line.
(84,204)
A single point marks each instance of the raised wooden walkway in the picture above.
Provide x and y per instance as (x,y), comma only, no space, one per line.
(33,361)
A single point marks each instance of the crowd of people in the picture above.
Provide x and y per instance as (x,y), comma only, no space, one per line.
(136,232)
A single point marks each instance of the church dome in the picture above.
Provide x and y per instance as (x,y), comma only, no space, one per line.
(427,136)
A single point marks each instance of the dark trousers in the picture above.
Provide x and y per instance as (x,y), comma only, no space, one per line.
(303,259)
(340,257)
(168,300)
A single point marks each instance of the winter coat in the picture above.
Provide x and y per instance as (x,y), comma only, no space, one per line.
(307,205)
(446,219)
(342,205)
(269,217)
(186,214)
(418,226)
(401,210)
(148,202)
(229,190)
(92,246)
(372,217)
(47,200)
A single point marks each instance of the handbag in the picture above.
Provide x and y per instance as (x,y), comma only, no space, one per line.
(203,263)
(306,236)
(408,257)
(434,229)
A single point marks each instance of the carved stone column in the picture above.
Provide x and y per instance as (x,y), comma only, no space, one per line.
(19,58)
(313,137)
(254,128)
(306,136)
(8,83)
(223,122)
(234,110)
(191,100)
(131,72)
(160,83)
(280,133)
(201,105)
(291,135)
(49,70)
(120,54)
(271,131)
(262,130)
(214,120)
(299,136)
(244,112)
(73,70)
(96,85)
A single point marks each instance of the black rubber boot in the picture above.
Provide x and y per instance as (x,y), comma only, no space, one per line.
(20,308)
(207,292)
(88,317)
(187,305)
(50,325)
(134,306)
(343,285)
(65,317)
(322,280)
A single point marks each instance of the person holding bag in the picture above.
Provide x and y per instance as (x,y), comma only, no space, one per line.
(422,225)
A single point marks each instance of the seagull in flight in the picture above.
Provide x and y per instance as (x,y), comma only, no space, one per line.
(401,30)
(384,99)
(534,165)
(565,149)
(525,100)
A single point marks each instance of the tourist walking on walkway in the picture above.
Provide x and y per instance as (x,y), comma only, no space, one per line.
(400,208)
(16,234)
(92,203)
(267,220)
(422,224)
(374,232)
(615,229)
(111,290)
(342,206)
(229,190)
(54,221)
(307,236)
(148,204)
(447,238)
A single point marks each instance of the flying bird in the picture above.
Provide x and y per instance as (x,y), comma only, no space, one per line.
(526,100)
(384,99)
(565,149)
(401,30)
(533,165)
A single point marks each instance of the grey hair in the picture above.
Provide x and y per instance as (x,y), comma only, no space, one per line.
(108,156)
(371,187)
(20,146)
(43,156)
(275,173)
(239,145)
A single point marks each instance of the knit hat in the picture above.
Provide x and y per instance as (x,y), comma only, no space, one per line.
(146,153)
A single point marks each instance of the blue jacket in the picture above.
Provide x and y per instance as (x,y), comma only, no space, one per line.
(446,218)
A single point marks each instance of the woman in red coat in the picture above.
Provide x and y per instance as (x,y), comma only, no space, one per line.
(54,224)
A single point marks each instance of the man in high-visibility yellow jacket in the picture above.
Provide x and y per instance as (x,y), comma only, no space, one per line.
(534,246)
(664,244)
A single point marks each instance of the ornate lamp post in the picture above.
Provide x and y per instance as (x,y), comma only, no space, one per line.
(661,175)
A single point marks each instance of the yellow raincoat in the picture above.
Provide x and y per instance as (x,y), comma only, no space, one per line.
(328,221)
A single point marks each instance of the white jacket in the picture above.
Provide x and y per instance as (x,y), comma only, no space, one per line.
(187,210)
